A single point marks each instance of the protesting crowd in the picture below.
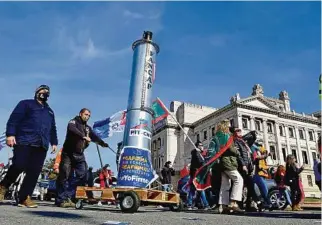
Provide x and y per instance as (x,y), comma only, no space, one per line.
(218,176)
(233,163)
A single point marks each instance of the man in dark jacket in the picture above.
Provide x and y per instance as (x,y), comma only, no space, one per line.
(166,173)
(30,129)
(78,137)
(245,167)
(197,161)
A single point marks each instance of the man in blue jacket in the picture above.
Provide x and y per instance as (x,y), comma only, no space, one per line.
(30,129)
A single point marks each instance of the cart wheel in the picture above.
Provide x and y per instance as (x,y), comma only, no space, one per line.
(79,204)
(129,202)
(177,208)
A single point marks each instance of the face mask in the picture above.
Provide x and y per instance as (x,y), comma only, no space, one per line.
(43,97)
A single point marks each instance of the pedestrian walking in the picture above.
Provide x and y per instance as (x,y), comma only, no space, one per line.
(30,130)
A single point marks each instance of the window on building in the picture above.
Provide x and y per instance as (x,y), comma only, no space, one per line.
(198,137)
(305,158)
(281,131)
(294,153)
(245,123)
(258,125)
(273,152)
(291,132)
(213,130)
(284,154)
(301,134)
(205,136)
(311,135)
(232,123)
(269,128)
(159,143)
(314,156)
(154,145)
(309,180)
(159,162)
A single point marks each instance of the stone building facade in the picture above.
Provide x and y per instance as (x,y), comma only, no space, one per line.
(282,131)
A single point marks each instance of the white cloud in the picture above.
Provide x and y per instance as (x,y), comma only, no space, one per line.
(133,15)
(218,40)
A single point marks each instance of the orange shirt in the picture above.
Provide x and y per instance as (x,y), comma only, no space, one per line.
(58,159)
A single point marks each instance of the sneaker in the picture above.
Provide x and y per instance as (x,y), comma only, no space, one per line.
(67,204)
(235,208)
(99,203)
(207,208)
(213,206)
(3,191)
(288,208)
(28,203)
(64,204)
(71,203)
(190,208)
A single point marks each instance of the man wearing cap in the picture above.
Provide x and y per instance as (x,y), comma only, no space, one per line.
(30,129)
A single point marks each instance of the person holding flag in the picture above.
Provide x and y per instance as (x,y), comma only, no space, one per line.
(78,137)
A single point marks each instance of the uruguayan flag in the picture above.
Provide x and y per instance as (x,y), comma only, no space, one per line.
(2,140)
(105,128)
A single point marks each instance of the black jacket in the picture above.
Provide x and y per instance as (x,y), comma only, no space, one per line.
(197,161)
(244,157)
(166,173)
(76,131)
(292,174)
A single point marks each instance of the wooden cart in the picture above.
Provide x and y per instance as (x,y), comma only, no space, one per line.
(130,199)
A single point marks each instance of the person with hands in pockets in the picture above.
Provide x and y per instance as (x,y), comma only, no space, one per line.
(30,129)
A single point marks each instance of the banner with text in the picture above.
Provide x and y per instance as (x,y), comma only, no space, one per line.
(135,168)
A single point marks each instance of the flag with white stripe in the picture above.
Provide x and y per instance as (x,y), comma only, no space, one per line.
(2,140)
(107,127)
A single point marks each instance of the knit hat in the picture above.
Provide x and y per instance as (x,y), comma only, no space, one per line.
(42,87)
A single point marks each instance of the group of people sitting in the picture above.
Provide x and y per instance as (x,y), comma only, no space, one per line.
(237,163)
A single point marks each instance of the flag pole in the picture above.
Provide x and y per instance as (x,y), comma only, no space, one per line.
(99,155)
(173,117)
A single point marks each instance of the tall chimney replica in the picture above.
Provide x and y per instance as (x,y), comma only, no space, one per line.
(135,166)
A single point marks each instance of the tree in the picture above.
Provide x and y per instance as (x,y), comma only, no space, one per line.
(48,167)
(49,164)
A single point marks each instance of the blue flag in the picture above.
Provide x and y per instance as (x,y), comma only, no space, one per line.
(105,128)
(2,141)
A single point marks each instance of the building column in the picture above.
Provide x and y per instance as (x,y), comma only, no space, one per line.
(300,157)
(279,152)
(252,123)
(208,136)
(239,121)
(310,157)
(287,136)
(265,136)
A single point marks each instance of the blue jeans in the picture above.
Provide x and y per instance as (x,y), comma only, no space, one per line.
(192,194)
(67,183)
(287,195)
(260,181)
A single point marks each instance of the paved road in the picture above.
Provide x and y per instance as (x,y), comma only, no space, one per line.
(47,214)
